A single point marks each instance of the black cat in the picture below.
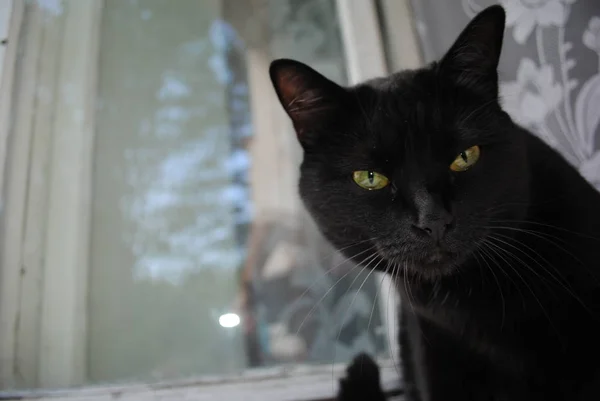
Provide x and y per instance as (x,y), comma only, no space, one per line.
(492,237)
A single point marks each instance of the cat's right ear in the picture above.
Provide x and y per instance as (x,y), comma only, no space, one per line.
(472,61)
(309,99)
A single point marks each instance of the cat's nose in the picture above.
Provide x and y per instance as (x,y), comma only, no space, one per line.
(432,218)
(435,226)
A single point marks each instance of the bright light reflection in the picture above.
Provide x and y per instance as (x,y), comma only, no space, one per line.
(229,320)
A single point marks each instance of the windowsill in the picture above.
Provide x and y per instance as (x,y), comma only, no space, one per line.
(297,383)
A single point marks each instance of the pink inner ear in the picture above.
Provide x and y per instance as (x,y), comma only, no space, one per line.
(291,88)
(298,100)
(308,98)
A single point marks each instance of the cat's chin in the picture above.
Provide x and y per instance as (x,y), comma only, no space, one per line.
(434,268)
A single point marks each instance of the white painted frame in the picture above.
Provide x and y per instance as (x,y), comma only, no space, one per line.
(12,13)
(66,230)
(47,113)
(402,48)
(6,9)
(63,338)
(300,383)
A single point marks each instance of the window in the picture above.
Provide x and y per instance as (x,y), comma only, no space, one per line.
(151,230)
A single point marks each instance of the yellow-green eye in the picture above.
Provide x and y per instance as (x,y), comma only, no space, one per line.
(370,180)
(466,159)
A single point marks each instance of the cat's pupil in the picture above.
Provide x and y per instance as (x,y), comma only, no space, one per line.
(464,156)
(371,176)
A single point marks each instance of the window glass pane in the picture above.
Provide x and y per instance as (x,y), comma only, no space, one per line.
(202,259)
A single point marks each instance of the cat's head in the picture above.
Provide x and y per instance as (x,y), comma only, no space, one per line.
(415,167)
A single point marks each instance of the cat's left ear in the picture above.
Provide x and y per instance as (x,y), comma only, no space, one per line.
(472,61)
(310,99)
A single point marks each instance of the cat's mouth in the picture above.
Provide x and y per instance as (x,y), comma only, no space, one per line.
(438,257)
(437,261)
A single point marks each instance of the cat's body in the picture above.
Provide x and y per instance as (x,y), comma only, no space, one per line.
(496,252)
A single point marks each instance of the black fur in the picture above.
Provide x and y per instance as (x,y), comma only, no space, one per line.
(503,304)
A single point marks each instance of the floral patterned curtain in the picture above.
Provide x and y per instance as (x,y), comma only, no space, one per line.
(550,67)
